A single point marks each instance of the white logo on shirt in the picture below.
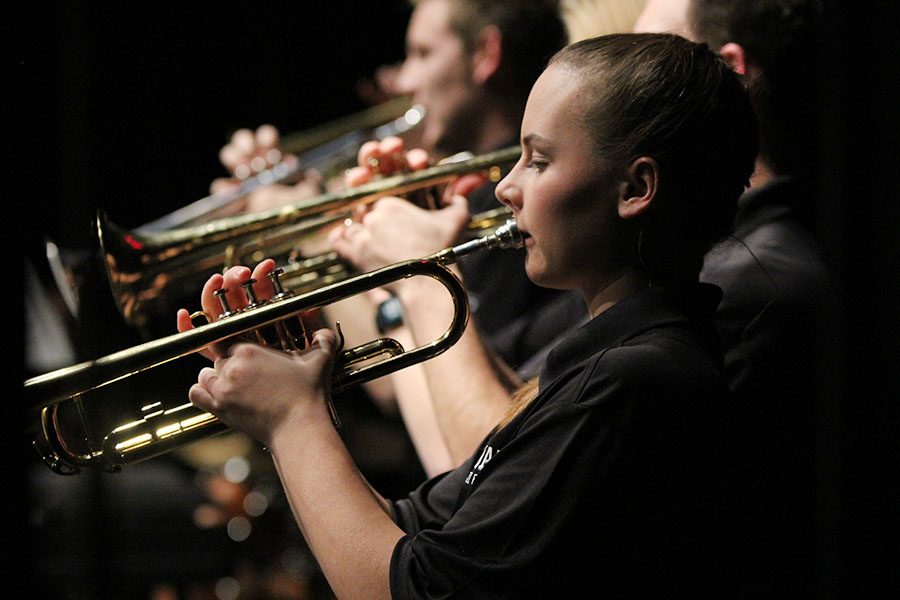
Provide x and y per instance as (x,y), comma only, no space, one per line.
(486,455)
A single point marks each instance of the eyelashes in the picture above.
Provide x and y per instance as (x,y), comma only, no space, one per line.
(538,165)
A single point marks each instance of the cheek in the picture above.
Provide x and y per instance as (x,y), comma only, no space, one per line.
(550,210)
(567,226)
(447,77)
(548,233)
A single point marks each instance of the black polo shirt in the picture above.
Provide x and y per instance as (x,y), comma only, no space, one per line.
(774,284)
(609,484)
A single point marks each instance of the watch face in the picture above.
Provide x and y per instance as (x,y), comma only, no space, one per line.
(389,315)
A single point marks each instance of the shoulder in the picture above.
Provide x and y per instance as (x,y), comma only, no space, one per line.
(778,261)
(662,362)
(658,359)
(773,254)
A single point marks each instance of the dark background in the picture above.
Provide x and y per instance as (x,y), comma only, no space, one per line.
(124,107)
(136,104)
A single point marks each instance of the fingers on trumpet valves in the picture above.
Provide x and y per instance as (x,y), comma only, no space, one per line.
(229,288)
(249,153)
(264,286)
(288,334)
(378,158)
(393,156)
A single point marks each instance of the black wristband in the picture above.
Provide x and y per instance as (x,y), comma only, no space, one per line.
(389,315)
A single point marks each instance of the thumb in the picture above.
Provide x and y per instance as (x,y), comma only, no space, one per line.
(325,340)
(183,321)
(456,208)
(322,353)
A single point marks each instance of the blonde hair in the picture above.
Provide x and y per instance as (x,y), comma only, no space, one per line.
(519,400)
(590,18)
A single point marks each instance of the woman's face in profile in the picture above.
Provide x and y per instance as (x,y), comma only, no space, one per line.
(562,194)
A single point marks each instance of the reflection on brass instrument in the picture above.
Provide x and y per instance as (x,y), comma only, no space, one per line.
(328,148)
(147,272)
(160,431)
(306,274)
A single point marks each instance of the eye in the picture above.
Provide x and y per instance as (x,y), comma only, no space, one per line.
(537,163)
(419,52)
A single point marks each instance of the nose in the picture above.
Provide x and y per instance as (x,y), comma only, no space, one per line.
(508,191)
(406,78)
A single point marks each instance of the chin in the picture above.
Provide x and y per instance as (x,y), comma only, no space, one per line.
(539,276)
(544,276)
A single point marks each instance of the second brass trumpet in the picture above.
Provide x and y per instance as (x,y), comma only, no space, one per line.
(148,272)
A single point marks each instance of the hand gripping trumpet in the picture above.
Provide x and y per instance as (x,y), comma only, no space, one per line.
(160,431)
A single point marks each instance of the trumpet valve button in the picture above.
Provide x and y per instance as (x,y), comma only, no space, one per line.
(275,278)
(221,294)
(250,292)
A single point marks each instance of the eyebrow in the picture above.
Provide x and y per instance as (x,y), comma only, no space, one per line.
(532,137)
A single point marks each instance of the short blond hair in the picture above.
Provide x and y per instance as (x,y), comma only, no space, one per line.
(590,18)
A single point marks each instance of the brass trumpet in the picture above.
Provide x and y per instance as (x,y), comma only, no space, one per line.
(146,271)
(160,431)
(326,148)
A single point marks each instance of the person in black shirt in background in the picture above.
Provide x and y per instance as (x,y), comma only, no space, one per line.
(772,275)
(610,477)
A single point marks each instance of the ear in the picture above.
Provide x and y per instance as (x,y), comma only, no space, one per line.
(638,190)
(488,51)
(735,56)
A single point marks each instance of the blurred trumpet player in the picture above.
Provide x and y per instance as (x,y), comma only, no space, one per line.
(469,65)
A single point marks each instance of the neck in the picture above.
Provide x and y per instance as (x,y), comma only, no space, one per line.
(762,174)
(623,285)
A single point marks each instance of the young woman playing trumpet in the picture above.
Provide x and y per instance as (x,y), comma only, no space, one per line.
(609,478)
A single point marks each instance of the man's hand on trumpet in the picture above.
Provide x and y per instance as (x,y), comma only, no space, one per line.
(385,157)
(247,154)
(251,152)
(394,229)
